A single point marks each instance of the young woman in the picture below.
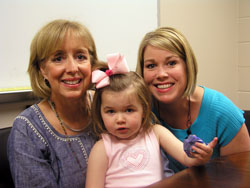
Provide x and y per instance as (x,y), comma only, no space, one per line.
(168,66)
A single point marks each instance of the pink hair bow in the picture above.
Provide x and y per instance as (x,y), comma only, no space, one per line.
(117,65)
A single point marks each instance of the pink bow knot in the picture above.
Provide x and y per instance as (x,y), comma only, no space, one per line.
(117,65)
(109,72)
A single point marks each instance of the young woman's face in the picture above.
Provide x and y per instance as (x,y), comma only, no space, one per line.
(68,70)
(122,113)
(165,74)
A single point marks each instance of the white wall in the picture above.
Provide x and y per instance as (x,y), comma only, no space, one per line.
(116,25)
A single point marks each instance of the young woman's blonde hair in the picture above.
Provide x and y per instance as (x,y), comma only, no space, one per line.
(48,40)
(119,83)
(170,39)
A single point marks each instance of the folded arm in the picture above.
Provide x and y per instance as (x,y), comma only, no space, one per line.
(240,143)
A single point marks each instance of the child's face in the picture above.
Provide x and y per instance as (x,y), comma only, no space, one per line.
(122,113)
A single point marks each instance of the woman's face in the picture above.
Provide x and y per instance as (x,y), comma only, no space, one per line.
(68,70)
(165,74)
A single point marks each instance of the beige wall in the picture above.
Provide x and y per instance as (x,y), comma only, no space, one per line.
(244,54)
(9,111)
(219,32)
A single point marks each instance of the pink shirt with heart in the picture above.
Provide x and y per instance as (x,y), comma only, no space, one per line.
(133,163)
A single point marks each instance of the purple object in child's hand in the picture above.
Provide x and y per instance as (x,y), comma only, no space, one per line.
(189,142)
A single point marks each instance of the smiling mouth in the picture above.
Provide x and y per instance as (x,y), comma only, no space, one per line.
(164,86)
(72,82)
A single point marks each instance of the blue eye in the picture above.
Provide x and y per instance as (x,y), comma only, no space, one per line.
(150,66)
(110,111)
(58,56)
(129,110)
(172,63)
(57,59)
(81,57)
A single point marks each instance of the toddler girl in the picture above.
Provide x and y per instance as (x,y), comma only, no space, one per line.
(128,153)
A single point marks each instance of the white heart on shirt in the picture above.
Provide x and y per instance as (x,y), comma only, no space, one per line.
(135,160)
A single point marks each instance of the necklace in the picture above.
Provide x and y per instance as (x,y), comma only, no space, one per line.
(53,107)
(188,123)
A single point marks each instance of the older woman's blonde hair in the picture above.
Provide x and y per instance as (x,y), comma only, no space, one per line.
(49,39)
(170,39)
(119,83)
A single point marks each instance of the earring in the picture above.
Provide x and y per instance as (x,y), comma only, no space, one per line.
(47,82)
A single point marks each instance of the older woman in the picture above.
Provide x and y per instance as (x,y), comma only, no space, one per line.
(50,141)
(168,65)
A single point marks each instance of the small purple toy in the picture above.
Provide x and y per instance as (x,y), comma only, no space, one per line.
(189,142)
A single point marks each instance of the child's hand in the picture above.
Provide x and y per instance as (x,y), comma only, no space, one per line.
(203,152)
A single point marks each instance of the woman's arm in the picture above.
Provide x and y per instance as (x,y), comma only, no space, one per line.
(240,143)
(97,166)
(30,166)
(174,147)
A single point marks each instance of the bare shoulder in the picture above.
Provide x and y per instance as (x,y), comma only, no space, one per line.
(240,143)
(159,129)
(98,152)
(156,129)
(99,145)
